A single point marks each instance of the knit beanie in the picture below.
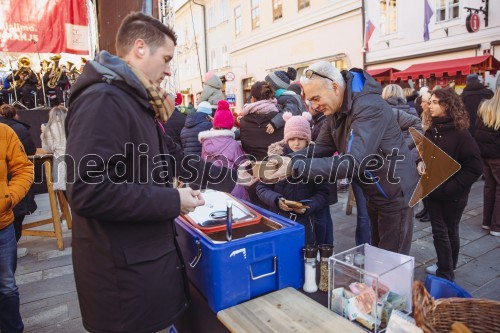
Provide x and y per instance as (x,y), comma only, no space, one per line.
(178,99)
(472,78)
(281,79)
(205,107)
(207,76)
(297,126)
(223,116)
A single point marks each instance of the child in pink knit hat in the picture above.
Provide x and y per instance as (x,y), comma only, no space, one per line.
(219,146)
(311,194)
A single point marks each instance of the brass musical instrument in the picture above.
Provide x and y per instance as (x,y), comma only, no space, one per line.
(24,64)
(56,72)
(73,72)
(45,65)
(82,65)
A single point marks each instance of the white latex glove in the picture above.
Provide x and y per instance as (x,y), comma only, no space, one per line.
(190,199)
(421,168)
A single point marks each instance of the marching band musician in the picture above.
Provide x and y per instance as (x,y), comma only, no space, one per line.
(56,80)
(24,81)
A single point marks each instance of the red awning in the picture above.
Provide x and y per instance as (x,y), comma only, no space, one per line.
(382,71)
(450,67)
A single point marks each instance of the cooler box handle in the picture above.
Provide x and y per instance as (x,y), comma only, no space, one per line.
(197,258)
(265,274)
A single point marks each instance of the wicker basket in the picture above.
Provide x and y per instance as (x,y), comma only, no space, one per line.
(437,316)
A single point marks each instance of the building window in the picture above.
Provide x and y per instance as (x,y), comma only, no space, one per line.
(447,10)
(214,59)
(388,15)
(211,17)
(224,8)
(303,4)
(237,20)
(247,87)
(225,56)
(255,14)
(277,9)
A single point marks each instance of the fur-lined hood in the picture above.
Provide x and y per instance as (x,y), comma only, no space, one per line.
(213,133)
(281,148)
(217,142)
(278,148)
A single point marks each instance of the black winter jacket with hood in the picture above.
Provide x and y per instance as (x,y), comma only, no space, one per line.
(374,132)
(488,140)
(472,96)
(128,270)
(460,146)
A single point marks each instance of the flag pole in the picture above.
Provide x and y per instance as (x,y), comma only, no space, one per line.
(41,71)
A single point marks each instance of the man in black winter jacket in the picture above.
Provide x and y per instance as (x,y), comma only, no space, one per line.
(360,124)
(474,92)
(128,270)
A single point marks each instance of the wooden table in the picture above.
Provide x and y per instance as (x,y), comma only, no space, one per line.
(286,310)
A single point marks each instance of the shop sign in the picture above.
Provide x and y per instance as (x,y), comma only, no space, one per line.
(229,76)
(472,22)
(231,98)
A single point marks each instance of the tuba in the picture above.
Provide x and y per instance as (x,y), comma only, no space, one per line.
(56,71)
(24,64)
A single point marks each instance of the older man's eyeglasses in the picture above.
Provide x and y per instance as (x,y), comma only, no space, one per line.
(309,73)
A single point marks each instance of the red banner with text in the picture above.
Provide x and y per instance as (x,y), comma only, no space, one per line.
(46,26)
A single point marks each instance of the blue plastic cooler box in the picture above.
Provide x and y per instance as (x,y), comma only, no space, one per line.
(261,258)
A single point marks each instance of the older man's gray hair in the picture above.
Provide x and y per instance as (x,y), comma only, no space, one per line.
(324,68)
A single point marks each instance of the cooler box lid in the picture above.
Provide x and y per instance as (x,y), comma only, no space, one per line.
(213,215)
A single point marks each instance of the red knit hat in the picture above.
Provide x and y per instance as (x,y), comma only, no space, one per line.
(297,126)
(223,116)
(178,99)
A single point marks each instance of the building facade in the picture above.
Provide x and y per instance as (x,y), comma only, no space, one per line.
(400,31)
(254,37)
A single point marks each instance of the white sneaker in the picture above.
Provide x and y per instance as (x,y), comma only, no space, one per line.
(22,252)
(485,227)
(495,233)
(431,269)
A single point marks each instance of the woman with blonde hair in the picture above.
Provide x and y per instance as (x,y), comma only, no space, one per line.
(426,113)
(54,141)
(487,136)
(449,133)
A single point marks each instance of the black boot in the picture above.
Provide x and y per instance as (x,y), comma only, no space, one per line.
(421,214)
(425,218)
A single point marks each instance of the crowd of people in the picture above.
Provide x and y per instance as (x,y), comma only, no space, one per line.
(138,147)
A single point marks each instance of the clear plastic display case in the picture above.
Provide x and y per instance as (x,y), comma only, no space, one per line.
(366,283)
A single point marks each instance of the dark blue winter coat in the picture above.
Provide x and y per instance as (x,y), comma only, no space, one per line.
(195,123)
(296,190)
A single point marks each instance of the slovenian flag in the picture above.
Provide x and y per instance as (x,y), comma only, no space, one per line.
(369,28)
(427,18)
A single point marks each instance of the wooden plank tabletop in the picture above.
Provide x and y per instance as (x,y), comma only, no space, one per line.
(285,310)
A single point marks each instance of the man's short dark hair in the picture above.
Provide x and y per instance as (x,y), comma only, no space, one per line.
(141,26)
(8,111)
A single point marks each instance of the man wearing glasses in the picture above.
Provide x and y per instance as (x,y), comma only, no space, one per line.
(360,124)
